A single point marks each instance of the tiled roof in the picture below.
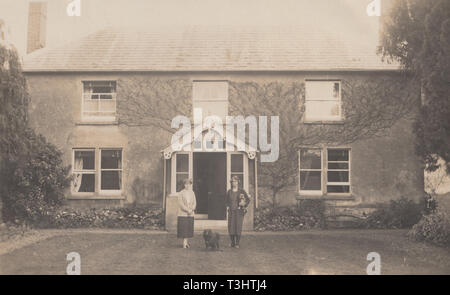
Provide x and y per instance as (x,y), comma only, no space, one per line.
(202,48)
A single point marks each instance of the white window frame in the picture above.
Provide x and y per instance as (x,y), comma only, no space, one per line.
(348,183)
(83,171)
(175,172)
(100,170)
(338,118)
(311,192)
(244,170)
(86,96)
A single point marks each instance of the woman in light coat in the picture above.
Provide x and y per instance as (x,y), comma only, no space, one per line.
(186,204)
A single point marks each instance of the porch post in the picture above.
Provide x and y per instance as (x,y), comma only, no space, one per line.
(256,182)
(164,183)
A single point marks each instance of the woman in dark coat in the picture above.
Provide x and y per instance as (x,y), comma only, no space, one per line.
(237,202)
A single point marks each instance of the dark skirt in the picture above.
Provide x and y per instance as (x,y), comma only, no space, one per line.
(235,220)
(185,227)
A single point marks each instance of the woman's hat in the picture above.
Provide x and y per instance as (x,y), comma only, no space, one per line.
(187,181)
(235,178)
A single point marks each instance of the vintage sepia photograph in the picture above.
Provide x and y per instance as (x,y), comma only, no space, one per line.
(231,137)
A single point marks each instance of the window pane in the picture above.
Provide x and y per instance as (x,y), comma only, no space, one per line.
(322,90)
(108,106)
(111,180)
(310,159)
(102,89)
(213,108)
(83,182)
(310,180)
(111,159)
(337,155)
(214,90)
(90,105)
(237,163)
(180,179)
(322,110)
(182,163)
(338,188)
(337,176)
(84,160)
(105,96)
(337,165)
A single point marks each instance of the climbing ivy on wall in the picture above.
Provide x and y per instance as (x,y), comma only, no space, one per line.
(371,106)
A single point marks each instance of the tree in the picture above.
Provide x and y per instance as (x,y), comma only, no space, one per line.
(417,35)
(32,175)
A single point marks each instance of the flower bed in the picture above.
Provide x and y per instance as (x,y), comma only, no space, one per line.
(136,217)
(308,215)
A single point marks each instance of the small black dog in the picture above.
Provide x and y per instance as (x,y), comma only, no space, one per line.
(211,240)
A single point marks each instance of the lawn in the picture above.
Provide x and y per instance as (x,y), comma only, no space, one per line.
(140,252)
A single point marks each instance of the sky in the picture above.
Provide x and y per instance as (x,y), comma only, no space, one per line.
(348,18)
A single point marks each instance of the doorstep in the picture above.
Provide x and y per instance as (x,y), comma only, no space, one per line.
(217,225)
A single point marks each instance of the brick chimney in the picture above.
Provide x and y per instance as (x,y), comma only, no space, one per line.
(37,24)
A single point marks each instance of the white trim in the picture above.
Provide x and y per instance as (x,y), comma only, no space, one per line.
(338,118)
(109,192)
(84,114)
(321,170)
(349,182)
(94,171)
(174,171)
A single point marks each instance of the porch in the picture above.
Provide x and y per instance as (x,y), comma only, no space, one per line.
(211,171)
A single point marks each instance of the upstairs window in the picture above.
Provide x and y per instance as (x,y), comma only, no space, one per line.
(323,101)
(211,97)
(99,100)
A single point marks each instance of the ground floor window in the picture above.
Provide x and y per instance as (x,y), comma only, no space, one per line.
(338,175)
(310,171)
(111,169)
(91,175)
(83,171)
(330,167)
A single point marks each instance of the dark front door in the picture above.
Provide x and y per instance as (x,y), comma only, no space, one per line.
(210,184)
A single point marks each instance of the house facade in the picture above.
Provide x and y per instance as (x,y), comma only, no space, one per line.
(95,99)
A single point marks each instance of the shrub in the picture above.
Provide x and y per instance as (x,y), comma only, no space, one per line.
(310,215)
(433,228)
(135,217)
(402,213)
(33,186)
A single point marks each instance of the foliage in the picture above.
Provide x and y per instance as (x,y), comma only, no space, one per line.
(153,102)
(433,228)
(32,175)
(14,104)
(35,184)
(371,103)
(401,213)
(417,34)
(309,215)
(132,217)
(371,106)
